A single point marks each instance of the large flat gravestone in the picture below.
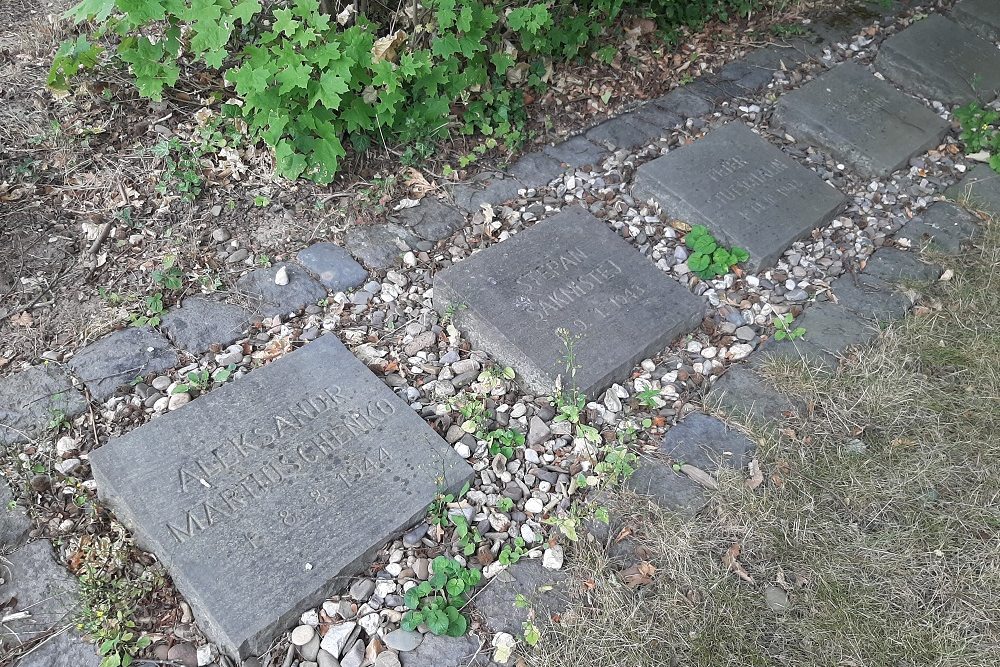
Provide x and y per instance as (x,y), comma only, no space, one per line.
(569,272)
(265,495)
(940,59)
(861,120)
(746,191)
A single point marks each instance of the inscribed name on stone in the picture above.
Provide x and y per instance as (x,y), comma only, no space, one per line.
(569,272)
(746,191)
(940,59)
(262,497)
(861,120)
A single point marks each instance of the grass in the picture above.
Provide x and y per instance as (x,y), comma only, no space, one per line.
(889,552)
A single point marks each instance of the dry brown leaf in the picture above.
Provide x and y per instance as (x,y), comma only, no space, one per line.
(700,476)
(385,47)
(729,559)
(22,319)
(640,574)
(756,476)
(416,182)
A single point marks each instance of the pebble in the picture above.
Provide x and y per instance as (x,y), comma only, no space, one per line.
(177,400)
(183,653)
(302,635)
(538,431)
(281,277)
(534,506)
(65,445)
(362,589)
(238,256)
(403,640)
(387,659)
(336,637)
(776,599)
(552,558)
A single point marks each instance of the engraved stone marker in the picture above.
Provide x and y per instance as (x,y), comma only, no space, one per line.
(573,272)
(861,120)
(940,59)
(746,191)
(263,496)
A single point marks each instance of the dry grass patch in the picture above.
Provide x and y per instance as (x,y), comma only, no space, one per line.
(879,519)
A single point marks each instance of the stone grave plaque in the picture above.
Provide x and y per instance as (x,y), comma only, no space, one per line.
(746,191)
(569,272)
(940,59)
(264,496)
(861,120)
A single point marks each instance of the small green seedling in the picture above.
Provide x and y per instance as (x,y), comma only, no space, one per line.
(503,441)
(708,258)
(783,330)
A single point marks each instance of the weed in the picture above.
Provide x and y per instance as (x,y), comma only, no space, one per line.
(511,553)
(783,331)
(980,131)
(150,317)
(503,441)
(709,259)
(438,601)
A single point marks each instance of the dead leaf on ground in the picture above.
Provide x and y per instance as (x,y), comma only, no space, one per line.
(416,182)
(22,319)
(385,47)
(623,534)
(756,475)
(700,476)
(729,559)
(640,574)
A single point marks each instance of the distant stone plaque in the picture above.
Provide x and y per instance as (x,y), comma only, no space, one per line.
(571,273)
(937,58)
(262,497)
(861,120)
(746,191)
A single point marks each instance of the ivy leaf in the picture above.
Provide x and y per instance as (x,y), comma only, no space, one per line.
(244,10)
(285,22)
(358,116)
(326,156)
(289,163)
(446,14)
(91,10)
(331,88)
(249,79)
(292,77)
(140,12)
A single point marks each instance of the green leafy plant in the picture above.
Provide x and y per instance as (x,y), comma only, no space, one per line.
(438,602)
(182,173)
(194,380)
(504,441)
(169,276)
(57,420)
(150,317)
(783,328)
(439,506)
(505,504)
(307,86)
(511,553)
(709,259)
(980,131)
(617,465)
(647,398)
(466,537)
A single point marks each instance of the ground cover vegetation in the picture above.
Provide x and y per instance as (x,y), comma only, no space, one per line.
(312,79)
(864,534)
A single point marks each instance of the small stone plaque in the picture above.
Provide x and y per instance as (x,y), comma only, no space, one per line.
(264,496)
(746,191)
(568,272)
(861,120)
(940,59)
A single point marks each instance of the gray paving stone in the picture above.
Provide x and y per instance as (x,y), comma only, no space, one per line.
(980,16)
(268,299)
(861,120)
(117,359)
(536,170)
(379,246)
(900,266)
(29,399)
(625,132)
(831,329)
(979,189)
(742,393)
(944,226)
(493,188)
(569,271)
(941,60)
(684,102)
(231,491)
(746,191)
(546,591)
(437,651)
(577,152)
(200,323)
(655,478)
(706,442)
(659,117)
(871,297)
(432,220)
(64,650)
(333,265)
(14,522)
(42,587)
